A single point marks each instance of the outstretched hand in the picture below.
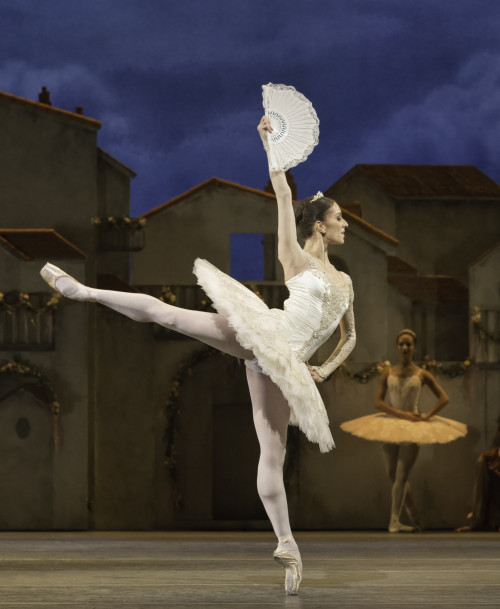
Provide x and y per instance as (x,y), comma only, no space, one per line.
(264,127)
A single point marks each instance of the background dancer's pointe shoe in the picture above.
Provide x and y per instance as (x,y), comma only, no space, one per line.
(65,284)
(415,519)
(396,527)
(289,559)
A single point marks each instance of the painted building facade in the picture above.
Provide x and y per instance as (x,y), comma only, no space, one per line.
(104,465)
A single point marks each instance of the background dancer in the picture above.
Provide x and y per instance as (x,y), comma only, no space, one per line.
(402,427)
(485,514)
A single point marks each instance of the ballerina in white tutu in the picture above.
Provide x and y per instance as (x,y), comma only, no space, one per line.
(402,427)
(275,344)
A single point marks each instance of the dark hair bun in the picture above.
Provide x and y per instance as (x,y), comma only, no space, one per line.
(308,211)
(298,209)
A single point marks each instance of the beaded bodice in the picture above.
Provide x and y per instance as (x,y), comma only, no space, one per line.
(314,308)
(404,392)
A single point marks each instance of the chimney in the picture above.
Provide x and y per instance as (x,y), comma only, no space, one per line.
(291,183)
(44,97)
(79,110)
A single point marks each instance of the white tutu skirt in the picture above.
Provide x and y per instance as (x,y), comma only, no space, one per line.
(382,427)
(260,330)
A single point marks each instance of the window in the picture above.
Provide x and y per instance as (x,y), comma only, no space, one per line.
(252,256)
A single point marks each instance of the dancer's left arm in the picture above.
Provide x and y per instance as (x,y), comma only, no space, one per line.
(438,391)
(344,346)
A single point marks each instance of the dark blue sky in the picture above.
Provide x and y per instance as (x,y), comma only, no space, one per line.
(177,84)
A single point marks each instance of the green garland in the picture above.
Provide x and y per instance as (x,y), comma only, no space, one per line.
(43,387)
(13,301)
(451,370)
(119,222)
(185,371)
(364,375)
(172,414)
(169,297)
(479,330)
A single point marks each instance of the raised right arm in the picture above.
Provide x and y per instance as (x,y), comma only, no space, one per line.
(290,253)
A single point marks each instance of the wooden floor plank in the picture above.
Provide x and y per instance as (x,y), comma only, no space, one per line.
(196,570)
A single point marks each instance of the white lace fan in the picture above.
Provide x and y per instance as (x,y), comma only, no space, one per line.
(295,124)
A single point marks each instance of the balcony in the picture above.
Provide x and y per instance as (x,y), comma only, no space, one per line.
(120,234)
(27,321)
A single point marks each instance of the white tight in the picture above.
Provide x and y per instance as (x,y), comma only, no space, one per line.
(400,458)
(270,409)
(210,328)
(271,413)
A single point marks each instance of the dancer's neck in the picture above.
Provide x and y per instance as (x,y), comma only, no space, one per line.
(316,247)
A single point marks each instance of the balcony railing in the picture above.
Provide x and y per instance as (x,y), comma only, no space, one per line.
(22,329)
(120,239)
(193,297)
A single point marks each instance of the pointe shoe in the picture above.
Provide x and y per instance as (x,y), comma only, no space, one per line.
(293,568)
(51,273)
(396,527)
(415,519)
(75,290)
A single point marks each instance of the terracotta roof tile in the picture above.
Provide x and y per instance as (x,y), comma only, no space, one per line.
(429,181)
(39,243)
(485,254)
(398,265)
(116,163)
(351,217)
(198,187)
(291,182)
(353,207)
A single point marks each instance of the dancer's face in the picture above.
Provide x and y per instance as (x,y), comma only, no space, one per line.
(406,347)
(334,226)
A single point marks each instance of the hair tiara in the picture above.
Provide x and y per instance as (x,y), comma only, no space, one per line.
(407,331)
(318,195)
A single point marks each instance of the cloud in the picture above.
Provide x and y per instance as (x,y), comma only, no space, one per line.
(173,36)
(456,123)
(70,85)
(222,147)
(64,81)
(174,82)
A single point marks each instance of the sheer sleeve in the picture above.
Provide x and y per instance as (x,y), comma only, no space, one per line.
(290,253)
(346,342)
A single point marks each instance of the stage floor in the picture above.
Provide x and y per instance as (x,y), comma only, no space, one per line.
(197,570)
